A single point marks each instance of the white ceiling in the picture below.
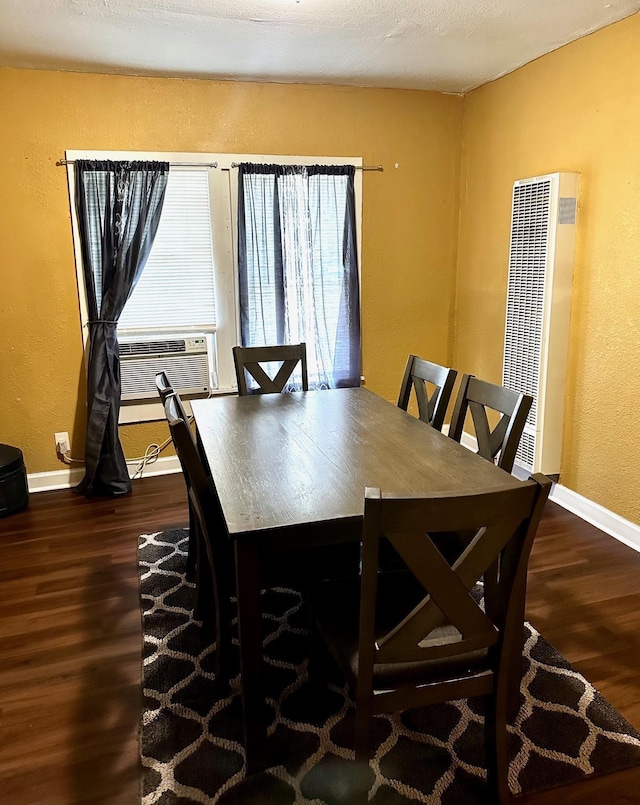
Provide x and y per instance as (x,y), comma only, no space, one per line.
(446,45)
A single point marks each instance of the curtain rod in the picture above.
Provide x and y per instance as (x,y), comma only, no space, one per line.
(63,162)
(357,167)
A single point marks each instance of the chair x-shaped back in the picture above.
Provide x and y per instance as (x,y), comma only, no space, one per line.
(431,408)
(251,358)
(449,600)
(478,395)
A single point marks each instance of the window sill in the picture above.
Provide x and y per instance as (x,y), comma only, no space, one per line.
(133,413)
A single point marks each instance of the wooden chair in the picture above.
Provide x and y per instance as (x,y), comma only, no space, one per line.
(478,395)
(431,408)
(214,564)
(412,639)
(249,359)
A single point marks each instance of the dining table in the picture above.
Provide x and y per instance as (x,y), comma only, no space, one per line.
(290,472)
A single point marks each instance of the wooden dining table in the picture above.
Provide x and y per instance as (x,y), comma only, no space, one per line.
(290,471)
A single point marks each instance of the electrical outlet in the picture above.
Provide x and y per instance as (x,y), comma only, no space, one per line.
(63,445)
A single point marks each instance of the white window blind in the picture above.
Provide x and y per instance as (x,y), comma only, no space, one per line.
(176,289)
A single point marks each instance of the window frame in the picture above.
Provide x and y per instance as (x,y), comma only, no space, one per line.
(223,193)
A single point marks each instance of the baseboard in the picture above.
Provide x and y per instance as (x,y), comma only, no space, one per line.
(71,476)
(611,523)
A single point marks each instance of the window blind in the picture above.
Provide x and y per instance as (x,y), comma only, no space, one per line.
(176,288)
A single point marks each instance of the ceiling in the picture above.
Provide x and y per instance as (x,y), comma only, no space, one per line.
(445,45)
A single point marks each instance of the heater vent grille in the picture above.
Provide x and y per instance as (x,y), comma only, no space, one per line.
(538,310)
(525,289)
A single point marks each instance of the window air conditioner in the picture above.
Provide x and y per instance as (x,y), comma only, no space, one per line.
(187,360)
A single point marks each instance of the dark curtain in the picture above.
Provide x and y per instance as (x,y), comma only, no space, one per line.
(298,269)
(119,206)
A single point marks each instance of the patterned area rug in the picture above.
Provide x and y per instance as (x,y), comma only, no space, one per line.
(191,740)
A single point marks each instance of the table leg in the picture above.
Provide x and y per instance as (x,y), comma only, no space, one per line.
(250,639)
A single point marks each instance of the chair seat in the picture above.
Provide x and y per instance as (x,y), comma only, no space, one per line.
(336,607)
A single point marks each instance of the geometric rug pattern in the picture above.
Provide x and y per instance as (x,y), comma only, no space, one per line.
(191,735)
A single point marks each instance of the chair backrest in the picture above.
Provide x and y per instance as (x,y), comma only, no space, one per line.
(165,390)
(478,395)
(431,407)
(204,500)
(449,619)
(249,359)
(187,452)
(163,384)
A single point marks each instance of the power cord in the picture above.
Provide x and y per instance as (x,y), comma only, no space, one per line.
(67,459)
(151,455)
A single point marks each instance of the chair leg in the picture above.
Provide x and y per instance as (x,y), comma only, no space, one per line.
(203,609)
(317,663)
(192,549)
(213,607)
(497,758)
(362,751)
(223,641)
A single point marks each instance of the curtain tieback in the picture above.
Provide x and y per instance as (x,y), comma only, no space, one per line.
(102,321)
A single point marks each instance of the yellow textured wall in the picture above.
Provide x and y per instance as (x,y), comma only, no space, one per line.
(577,109)
(409,216)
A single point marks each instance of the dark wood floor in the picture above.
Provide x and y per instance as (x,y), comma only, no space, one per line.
(70,639)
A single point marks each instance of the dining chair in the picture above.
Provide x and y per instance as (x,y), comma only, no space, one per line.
(165,390)
(436,632)
(500,444)
(250,360)
(214,560)
(432,407)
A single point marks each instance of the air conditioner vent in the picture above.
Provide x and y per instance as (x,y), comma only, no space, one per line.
(152,347)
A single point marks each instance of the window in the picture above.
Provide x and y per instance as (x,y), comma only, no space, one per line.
(189,286)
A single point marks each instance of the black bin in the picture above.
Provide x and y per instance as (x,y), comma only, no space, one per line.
(14,492)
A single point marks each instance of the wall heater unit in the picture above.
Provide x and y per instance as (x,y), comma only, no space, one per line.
(186,360)
(543,228)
